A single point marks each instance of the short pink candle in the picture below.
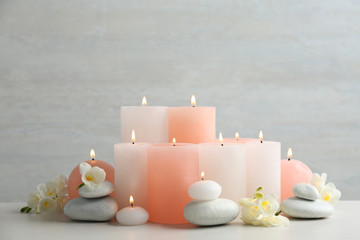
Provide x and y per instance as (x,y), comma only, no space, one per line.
(171,171)
(293,172)
(192,124)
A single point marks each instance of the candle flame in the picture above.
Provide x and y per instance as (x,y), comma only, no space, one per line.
(174,140)
(289,153)
(193,101)
(144,102)
(92,154)
(221,138)
(261,136)
(131,200)
(237,136)
(133,136)
(202,175)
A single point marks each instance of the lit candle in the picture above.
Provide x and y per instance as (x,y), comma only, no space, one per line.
(150,123)
(225,163)
(204,189)
(131,163)
(292,172)
(237,139)
(192,124)
(75,177)
(172,168)
(132,216)
(263,166)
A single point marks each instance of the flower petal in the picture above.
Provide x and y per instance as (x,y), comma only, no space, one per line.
(83,167)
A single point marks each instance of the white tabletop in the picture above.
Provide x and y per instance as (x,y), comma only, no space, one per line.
(343,225)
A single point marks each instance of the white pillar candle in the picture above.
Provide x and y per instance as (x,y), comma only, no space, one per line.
(204,189)
(130,173)
(150,123)
(263,166)
(132,216)
(225,163)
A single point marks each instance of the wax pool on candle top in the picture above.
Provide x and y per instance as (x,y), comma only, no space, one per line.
(192,124)
(171,170)
(263,167)
(293,172)
(131,172)
(149,122)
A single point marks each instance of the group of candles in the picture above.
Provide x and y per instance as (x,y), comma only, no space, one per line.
(164,149)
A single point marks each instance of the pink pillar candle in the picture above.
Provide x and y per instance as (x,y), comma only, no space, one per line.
(263,167)
(171,171)
(192,124)
(293,172)
(130,173)
(149,122)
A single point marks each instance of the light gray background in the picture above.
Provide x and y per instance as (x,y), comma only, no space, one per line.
(290,68)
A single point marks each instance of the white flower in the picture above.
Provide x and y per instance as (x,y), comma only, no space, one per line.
(48,189)
(33,200)
(92,177)
(47,205)
(269,205)
(330,194)
(247,202)
(251,215)
(61,185)
(318,181)
(275,221)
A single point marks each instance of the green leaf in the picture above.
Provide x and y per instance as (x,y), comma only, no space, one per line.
(259,189)
(28,209)
(82,184)
(278,213)
(23,209)
(258,195)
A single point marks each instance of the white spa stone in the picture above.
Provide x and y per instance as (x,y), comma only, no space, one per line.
(91,209)
(132,216)
(204,190)
(305,191)
(300,208)
(104,189)
(213,212)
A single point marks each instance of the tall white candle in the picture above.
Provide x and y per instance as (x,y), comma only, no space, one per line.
(130,173)
(150,123)
(263,166)
(225,163)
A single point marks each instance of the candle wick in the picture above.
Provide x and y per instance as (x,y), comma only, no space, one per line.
(132,205)
(202,178)
(288,159)
(222,144)
(133,142)
(93,159)
(261,141)
(174,145)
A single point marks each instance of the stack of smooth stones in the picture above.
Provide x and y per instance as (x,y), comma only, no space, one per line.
(208,209)
(95,205)
(306,203)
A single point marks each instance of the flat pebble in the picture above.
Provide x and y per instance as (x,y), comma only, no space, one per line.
(305,191)
(213,212)
(300,208)
(104,189)
(91,209)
